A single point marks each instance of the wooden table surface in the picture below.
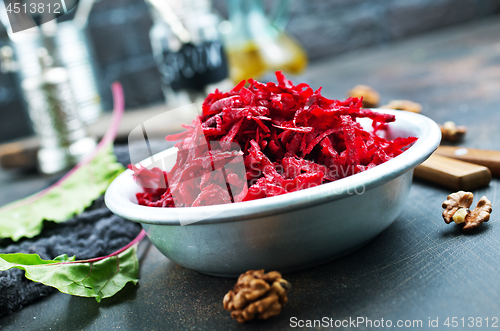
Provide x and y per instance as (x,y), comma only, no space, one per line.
(419,269)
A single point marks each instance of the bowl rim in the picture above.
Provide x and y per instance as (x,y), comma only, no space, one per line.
(428,139)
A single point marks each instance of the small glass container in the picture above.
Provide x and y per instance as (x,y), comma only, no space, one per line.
(54,113)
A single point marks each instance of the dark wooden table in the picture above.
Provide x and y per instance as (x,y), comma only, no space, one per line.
(419,269)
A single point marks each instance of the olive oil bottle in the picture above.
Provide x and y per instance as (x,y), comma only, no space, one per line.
(256,44)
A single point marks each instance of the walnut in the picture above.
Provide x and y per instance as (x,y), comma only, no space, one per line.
(457,210)
(371,98)
(457,200)
(479,215)
(451,132)
(257,294)
(405,105)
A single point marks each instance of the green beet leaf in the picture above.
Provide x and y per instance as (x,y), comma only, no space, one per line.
(59,203)
(72,193)
(98,278)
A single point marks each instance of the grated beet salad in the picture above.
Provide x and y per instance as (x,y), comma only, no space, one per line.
(265,140)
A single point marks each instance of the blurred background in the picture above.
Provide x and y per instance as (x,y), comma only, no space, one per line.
(147,45)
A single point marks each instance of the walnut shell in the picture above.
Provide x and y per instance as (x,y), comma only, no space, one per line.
(257,294)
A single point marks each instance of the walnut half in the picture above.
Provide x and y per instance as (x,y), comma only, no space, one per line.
(257,294)
(456,208)
(371,98)
(451,132)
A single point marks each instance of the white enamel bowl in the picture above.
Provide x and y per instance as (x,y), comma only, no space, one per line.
(287,232)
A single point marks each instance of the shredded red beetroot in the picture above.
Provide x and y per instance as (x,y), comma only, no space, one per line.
(288,137)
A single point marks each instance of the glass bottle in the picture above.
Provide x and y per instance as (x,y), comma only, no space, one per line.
(257,43)
(188,50)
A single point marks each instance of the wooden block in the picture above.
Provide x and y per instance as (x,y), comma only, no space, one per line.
(487,158)
(454,174)
(19,154)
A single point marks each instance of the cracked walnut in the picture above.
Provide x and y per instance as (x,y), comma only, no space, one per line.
(457,210)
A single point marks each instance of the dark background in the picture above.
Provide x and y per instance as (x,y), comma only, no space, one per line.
(118,31)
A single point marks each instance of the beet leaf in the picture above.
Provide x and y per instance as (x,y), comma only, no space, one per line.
(72,193)
(99,278)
